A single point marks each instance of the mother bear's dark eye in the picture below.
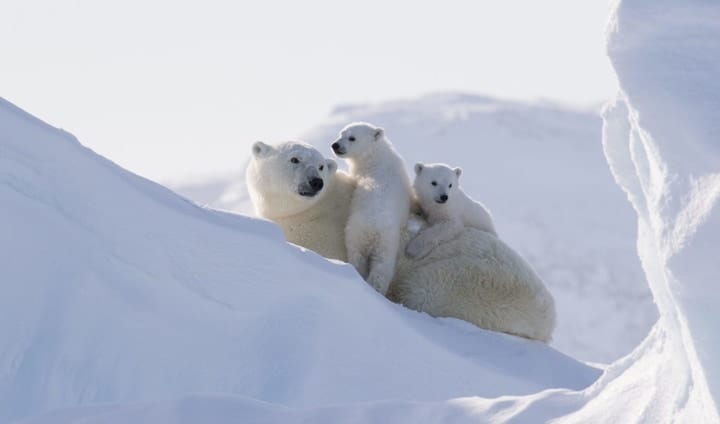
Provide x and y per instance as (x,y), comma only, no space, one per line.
(295,160)
(434,183)
(351,138)
(450,186)
(322,167)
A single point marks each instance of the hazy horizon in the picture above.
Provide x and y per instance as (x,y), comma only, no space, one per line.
(177,90)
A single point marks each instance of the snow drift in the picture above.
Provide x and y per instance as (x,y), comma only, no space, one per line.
(662,141)
(117,290)
(120,291)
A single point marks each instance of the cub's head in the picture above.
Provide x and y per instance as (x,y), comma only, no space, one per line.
(435,183)
(287,178)
(356,140)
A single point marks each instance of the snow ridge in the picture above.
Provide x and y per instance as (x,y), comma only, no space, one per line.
(121,291)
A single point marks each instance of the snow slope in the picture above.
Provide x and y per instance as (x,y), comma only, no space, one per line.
(541,171)
(114,289)
(149,303)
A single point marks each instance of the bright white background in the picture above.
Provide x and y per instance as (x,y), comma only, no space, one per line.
(179,89)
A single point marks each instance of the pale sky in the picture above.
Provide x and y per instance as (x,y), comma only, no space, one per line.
(178,89)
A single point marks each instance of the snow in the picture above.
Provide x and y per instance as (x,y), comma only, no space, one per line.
(668,59)
(121,291)
(579,233)
(130,304)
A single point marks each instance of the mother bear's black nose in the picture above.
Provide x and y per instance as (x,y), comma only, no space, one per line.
(316,184)
(335,146)
(444,197)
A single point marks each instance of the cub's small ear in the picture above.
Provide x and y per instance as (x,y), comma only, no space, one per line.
(379,132)
(260,149)
(458,171)
(418,168)
(331,165)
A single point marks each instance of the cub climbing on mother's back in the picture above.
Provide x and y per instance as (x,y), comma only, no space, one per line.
(380,204)
(446,206)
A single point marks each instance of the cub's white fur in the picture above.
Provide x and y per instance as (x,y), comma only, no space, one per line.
(446,206)
(380,204)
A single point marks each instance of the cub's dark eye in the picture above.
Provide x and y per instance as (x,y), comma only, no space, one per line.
(434,183)
(322,167)
(295,160)
(351,138)
(450,186)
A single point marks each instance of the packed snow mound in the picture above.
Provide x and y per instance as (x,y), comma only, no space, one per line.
(662,141)
(117,290)
(540,170)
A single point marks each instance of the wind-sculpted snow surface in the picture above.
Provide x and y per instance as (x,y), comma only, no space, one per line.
(663,143)
(115,290)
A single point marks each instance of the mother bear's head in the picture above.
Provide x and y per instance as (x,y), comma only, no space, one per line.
(287,178)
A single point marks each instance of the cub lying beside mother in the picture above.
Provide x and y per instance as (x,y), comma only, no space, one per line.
(474,277)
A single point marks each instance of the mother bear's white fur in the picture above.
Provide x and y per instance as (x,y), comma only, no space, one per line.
(274,183)
(478,278)
(475,277)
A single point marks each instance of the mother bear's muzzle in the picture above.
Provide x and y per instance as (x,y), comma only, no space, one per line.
(311,187)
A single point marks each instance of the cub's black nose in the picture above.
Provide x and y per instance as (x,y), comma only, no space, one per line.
(335,146)
(444,197)
(316,184)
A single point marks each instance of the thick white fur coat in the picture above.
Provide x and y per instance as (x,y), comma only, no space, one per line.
(475,277)
(380,204)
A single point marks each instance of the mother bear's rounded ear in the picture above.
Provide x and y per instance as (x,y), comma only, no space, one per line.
(458,171)
(260,149)
(331,165)
(418,168)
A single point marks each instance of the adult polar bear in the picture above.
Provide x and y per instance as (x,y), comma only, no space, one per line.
(475,277)
(280,183)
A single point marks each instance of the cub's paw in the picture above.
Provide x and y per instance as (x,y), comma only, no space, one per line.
(378,283)
(415,248)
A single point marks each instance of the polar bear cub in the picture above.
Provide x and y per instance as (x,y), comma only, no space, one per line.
(446,206)
(380,204)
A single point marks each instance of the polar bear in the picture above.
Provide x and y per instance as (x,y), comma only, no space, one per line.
(478,278)
(446,207)
(475,277)
(380,205)
(293,185)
